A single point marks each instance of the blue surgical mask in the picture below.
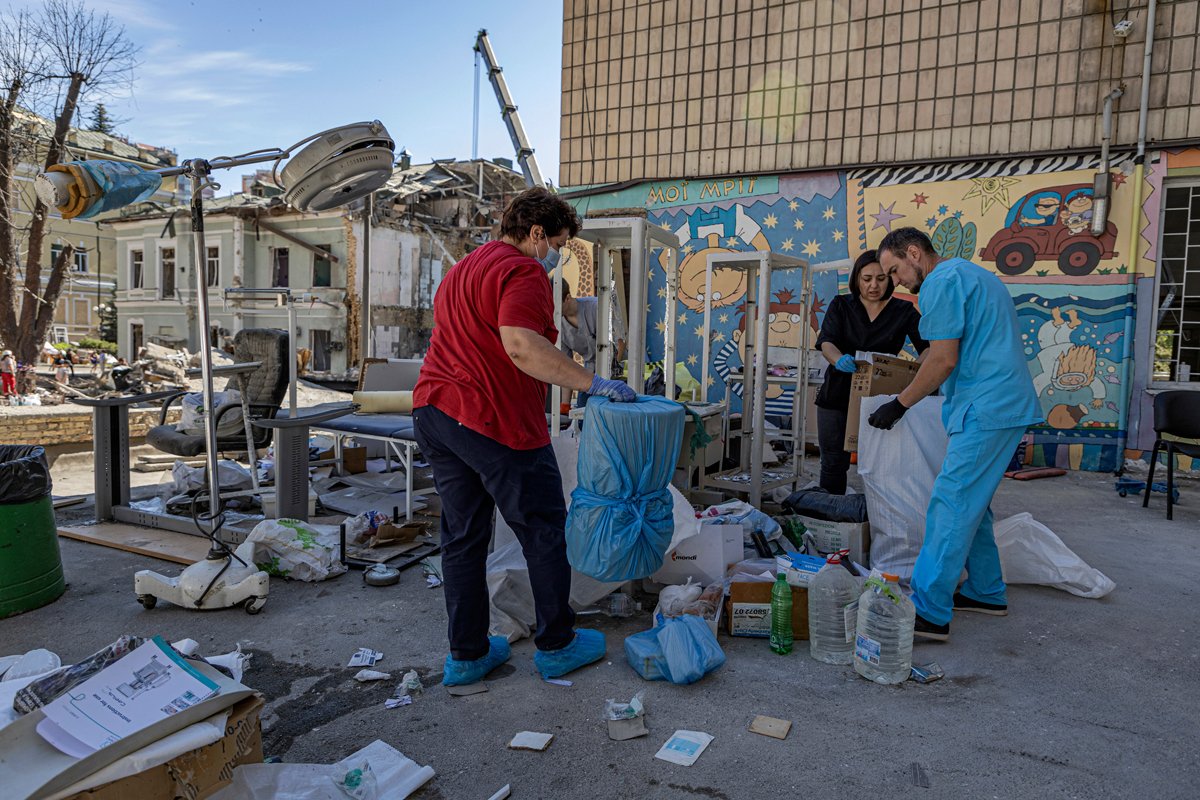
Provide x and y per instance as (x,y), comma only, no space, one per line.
(550,261)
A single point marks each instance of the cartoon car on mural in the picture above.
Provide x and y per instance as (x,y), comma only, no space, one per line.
(1051,224)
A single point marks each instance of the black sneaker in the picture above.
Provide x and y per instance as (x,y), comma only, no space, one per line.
(924,629)
(964,603)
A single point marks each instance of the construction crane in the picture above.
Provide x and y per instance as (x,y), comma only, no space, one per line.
(508,110)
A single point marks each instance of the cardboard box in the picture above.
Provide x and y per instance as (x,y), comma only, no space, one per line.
(834,536)
(704,557)
(199,772)
(354,459)
(881,374)
(748,609)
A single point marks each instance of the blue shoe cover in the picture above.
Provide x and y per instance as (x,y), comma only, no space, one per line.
(586,647)
(461,673)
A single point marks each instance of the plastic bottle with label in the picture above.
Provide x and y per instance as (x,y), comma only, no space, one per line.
(832,613)
(781,616)
(884,635)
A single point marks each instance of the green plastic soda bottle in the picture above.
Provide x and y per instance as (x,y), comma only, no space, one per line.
(781,616)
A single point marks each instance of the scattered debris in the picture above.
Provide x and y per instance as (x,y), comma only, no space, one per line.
(365,657)
(369,675)
(396,702)
(411,682)
(919,777)
(504,792)
(559,681)
(432,567)
(528,740)
(469,689)
(684,747)
(927,673)
(381,575)
(770,726)
(626,720)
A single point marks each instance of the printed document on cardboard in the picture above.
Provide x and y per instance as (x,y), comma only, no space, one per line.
(143,688)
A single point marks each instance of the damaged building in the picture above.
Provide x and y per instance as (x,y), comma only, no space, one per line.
(427,217)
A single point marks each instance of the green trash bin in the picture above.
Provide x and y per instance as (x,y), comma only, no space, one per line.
(31,573)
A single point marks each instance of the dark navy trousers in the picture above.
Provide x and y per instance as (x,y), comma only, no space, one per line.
(475,476)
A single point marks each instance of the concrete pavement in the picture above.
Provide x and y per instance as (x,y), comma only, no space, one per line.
(1065,697)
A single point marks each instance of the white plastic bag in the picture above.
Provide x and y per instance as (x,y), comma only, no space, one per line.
(192,413)
(230,474)
(898,468)
(288,548)
(1031,553)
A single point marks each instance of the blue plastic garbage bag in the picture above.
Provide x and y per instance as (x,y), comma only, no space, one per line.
(620,523)
(682,650)
(121,183)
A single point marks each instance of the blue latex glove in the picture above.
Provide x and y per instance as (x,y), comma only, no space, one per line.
(846,364)
(618,391)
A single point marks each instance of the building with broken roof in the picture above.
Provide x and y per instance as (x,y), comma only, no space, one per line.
(425,218)
(91,279)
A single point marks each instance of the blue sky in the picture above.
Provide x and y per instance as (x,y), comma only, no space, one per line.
(222,78)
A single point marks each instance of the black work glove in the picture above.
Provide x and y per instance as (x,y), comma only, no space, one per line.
(887,415)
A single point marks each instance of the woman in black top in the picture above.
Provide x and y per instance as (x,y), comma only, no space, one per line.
(867,320)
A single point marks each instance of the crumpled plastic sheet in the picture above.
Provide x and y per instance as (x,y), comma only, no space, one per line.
(1032,553)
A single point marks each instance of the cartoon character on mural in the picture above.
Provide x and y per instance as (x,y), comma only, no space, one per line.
(1068,386)
(1051,224)
(783,330)
(719,230)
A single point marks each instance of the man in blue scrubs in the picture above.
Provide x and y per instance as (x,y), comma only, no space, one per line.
(975,356)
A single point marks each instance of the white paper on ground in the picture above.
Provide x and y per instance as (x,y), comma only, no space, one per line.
(397,776)
(365,657)
(530,740)
(684,747)
(176,744)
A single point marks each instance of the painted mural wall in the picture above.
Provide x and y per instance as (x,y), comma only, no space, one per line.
(1026,220)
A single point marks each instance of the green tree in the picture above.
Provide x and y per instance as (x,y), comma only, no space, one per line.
(101,122)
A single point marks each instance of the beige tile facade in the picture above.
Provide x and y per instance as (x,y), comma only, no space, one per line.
(657,89)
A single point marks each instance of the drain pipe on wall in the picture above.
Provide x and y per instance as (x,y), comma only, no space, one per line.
(1102,193)
(1135,225)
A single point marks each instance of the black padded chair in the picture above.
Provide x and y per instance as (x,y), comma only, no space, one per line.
(1176,413)
(262,388)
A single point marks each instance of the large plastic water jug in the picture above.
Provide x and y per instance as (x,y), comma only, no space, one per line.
(832,613)
(883,640)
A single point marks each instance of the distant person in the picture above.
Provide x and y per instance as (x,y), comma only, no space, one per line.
(8,373)
(977,359)
(867,319)
(579,326)
(62,372)
(94,361)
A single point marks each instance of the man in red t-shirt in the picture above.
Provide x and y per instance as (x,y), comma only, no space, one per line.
(479,418)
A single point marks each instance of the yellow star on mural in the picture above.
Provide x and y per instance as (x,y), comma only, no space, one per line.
(839,235)
(731,241)
(829,213)
(811,248)
(792,206)
(666,226)
(770,220)
(787,245)
(991,191)
(798,224)
(711,381)
(691,360)
(687,249)
(718,337)
(682,317)
(723,318)
(662,292)
(660,326)
(647,308)
(699,330)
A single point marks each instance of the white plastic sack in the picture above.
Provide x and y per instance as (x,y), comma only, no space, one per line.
(230,475)
(898,468)
(191,417)
(1031,553)
(512,611)
(288,548)
(396,777)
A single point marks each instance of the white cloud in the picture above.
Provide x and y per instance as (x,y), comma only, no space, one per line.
(134,13)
